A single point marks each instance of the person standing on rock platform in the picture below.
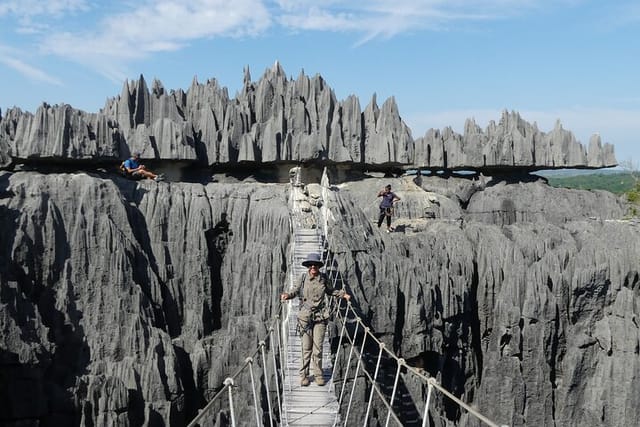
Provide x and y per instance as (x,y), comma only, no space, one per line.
(386,206)
(313,316)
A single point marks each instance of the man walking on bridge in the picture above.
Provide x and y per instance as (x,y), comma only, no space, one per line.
(313,315)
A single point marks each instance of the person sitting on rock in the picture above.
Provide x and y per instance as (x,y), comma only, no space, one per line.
(134,169)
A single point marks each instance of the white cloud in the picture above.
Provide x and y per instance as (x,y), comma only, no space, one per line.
(387,18)
(28,70)
(26,8)
(177,21)
(156,26)
(323,20)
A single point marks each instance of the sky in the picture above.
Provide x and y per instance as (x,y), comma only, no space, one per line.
(444,61)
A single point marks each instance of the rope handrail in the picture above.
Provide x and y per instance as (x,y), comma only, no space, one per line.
(280,321)
(429,381)
(372,380)
(230,381)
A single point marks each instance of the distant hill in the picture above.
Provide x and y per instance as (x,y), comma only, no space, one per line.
(577,172)
(615,181)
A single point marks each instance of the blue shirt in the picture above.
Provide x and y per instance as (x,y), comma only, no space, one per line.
(387,200)
(131,163)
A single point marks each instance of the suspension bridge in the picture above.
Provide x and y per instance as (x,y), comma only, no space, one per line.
(280,400)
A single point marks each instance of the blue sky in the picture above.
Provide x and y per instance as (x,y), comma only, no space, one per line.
(443,60)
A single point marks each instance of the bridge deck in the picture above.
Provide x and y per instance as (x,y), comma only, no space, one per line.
(312,405)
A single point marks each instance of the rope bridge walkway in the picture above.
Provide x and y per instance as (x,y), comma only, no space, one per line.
(313,404)
(282,399)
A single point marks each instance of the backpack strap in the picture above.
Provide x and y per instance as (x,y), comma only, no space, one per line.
(301,289)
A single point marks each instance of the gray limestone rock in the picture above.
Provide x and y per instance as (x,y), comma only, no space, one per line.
(504,203)
(515,312)
(130,302)
(60,132)
(107,286)
(387,140)
(276,120)
(512,143)
(5,159)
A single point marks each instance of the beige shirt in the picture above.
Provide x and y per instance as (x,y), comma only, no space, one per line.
(314,290)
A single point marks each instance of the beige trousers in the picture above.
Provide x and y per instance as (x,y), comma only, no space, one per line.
(312,338)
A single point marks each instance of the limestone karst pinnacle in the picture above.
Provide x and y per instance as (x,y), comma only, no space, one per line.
(280,120)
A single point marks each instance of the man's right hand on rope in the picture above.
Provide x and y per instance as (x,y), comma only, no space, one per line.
(284,296)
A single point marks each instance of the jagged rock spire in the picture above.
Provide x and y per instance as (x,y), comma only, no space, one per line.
(247,76)
(278,119)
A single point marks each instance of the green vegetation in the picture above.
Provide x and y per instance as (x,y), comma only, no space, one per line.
(617,183)
(623,183)
(633,196)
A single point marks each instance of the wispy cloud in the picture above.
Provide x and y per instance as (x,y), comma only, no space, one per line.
(110,38)
(28,70)
(111,42)
(33,16)
(11,58)
(24,8)
(387,18)
(156,26)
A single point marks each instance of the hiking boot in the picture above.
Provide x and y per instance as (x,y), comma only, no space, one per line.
(304,381)
(320,381)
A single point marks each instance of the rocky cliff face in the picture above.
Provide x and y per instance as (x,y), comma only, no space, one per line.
(521,298)
(129,303)
(117,296)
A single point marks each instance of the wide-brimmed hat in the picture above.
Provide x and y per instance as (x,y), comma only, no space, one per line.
(313,259)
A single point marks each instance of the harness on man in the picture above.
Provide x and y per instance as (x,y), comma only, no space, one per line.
(307,327)
(388,211)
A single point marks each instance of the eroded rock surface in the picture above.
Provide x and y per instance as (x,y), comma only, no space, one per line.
(274,120)
(123,302)
(523,303)
(131,302)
